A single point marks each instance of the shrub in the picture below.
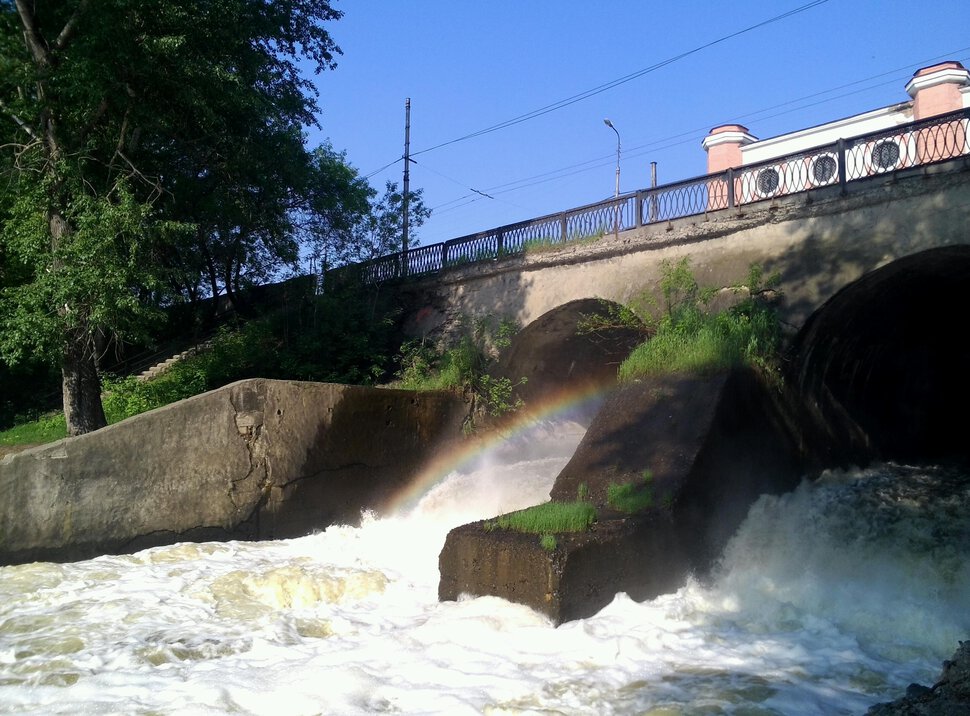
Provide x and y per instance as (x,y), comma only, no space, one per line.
(463,367)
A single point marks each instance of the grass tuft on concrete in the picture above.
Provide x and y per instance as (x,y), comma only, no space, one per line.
(547,519)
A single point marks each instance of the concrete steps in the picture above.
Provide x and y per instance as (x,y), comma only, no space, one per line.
(158,368)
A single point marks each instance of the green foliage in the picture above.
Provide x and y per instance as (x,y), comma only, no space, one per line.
(463,367)
(631,497)
(692,339)
(613,316)
(424,368)
(233,354)
(547,518)
(342,337)
(348,223)
(149,148)
(548,543)
(44,429)
(498,394)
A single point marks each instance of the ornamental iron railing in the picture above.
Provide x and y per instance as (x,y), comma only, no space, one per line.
(918,143)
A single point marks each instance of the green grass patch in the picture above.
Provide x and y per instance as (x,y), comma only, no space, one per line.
(463,368)
(690,338)
(548,543)
(631,497)
(548,518)
(45,429)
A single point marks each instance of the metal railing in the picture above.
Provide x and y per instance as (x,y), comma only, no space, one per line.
(918,143)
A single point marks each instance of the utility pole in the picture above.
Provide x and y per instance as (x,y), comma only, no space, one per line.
(407,186)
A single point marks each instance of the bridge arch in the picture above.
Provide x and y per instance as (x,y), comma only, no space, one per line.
(885,361)
(555,357)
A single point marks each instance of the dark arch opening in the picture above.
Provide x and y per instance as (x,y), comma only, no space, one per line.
(886,362)
(554,357)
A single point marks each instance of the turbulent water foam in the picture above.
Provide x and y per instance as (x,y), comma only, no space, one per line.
(827,600)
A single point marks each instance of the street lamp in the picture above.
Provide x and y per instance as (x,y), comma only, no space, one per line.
(609,124)
(616,193)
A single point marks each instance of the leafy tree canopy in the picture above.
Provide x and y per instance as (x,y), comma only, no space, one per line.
(150,147)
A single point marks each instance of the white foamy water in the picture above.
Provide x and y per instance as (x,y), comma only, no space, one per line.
(828,600)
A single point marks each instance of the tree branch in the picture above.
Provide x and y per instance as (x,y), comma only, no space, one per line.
(69,28)
(20,123)
(36,45)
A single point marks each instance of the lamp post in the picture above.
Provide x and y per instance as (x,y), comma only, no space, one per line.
(616,192)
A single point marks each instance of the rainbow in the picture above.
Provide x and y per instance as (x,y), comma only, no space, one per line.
(556,406)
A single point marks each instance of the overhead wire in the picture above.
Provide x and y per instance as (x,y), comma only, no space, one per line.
(617,82)
(693,134)
(603,87)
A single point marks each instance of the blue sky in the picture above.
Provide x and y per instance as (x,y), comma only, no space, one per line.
(468,66)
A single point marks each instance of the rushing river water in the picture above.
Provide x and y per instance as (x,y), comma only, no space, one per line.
(827,600)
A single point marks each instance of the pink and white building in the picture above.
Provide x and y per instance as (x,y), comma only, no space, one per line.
(938,90)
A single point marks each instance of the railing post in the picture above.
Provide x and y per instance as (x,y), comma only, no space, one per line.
(444,254)
(638,221)
(730,189)
(562,223)
(843,173)
(499,244)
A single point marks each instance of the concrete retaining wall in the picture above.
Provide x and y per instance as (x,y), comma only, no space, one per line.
(253,460)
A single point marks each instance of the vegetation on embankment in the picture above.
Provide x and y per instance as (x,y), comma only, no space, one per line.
(464,367)
(691,335)
(549,517)
(345,336)
(557,517)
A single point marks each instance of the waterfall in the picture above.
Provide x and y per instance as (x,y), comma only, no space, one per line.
(827,599)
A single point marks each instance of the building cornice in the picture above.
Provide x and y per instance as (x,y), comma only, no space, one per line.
(948,75)
(729,134)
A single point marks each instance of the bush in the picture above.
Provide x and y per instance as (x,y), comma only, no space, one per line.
(344,336)
(463,367)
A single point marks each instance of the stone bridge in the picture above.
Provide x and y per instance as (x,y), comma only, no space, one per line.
(819,242)
(874,288)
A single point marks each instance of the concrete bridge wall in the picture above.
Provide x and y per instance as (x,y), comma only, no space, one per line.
(819,242)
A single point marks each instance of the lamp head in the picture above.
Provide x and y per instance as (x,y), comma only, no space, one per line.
(608,123)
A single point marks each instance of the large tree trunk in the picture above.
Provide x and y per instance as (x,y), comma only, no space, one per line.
(81,386)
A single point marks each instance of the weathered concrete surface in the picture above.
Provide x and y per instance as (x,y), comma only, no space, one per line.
(712,445)
(576,579)
(255,459)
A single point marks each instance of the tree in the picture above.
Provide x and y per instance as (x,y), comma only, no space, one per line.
(336,203)
(135,133)
(378,233)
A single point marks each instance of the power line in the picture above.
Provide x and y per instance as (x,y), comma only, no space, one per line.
(665,142)
(617,82)
(452,180)
(386,166)
(690,135)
